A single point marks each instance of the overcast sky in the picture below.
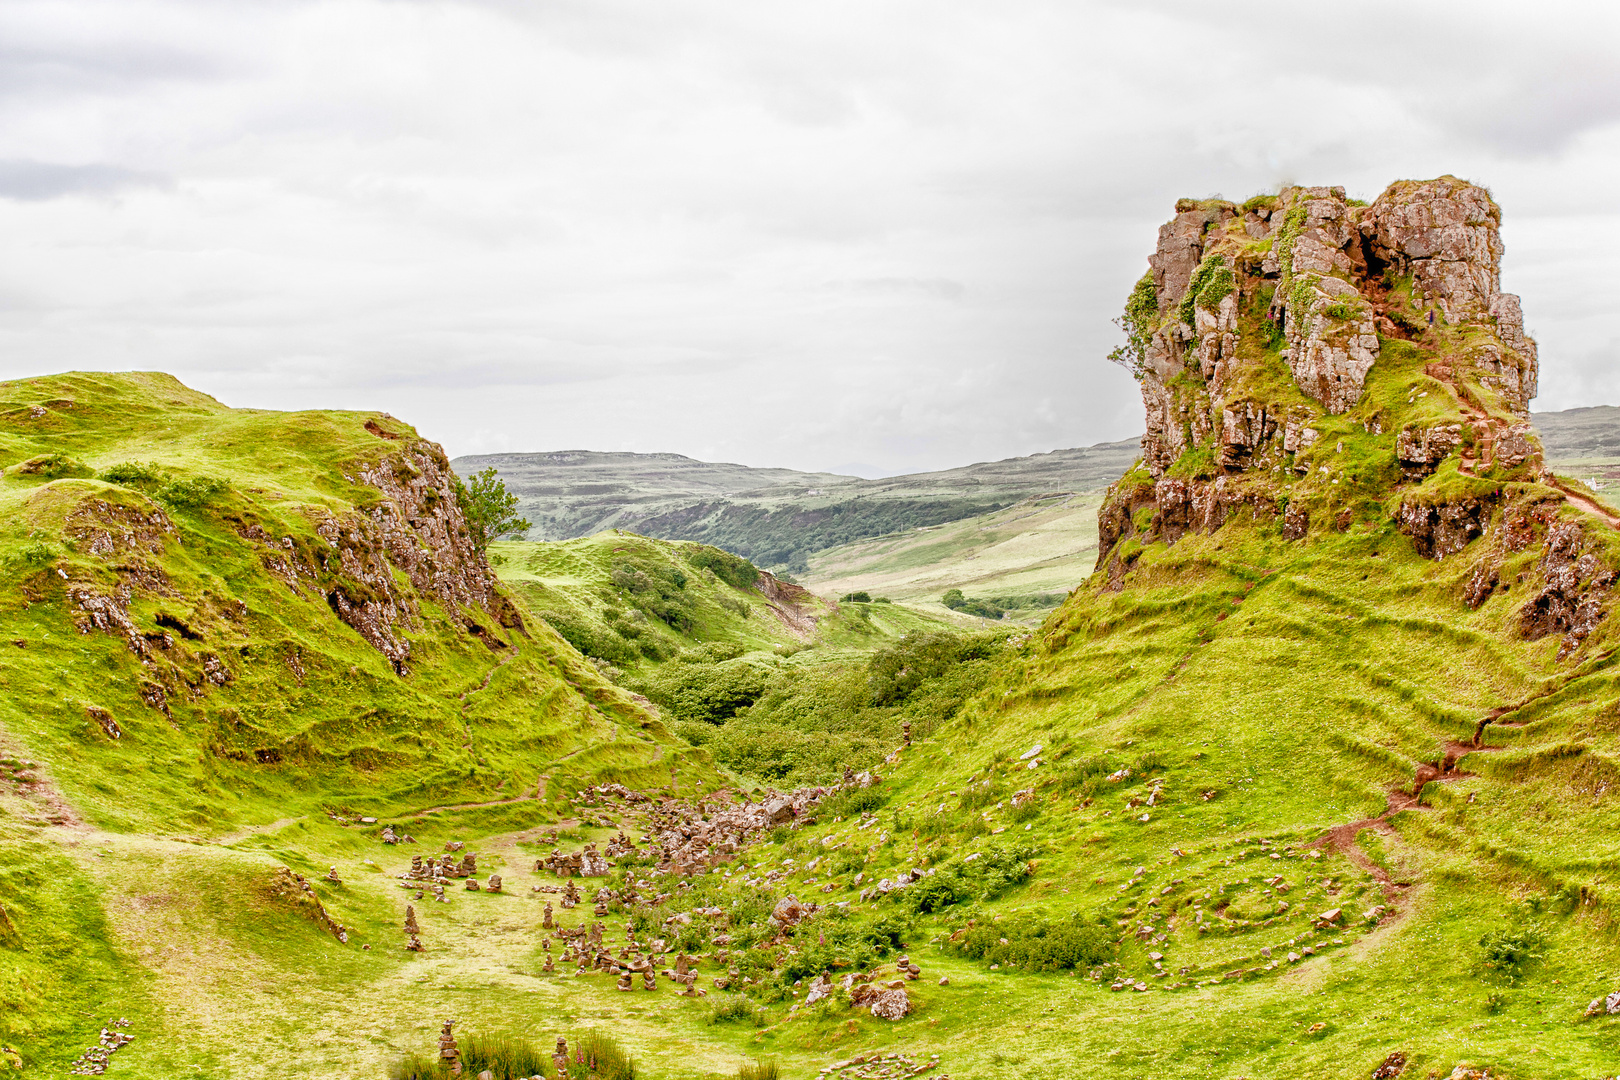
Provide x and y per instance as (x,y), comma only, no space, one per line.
(806,234)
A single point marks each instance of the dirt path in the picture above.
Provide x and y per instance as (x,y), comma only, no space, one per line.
(1581,502)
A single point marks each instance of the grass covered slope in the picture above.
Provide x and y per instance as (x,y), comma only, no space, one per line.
(768,677)
(220,620)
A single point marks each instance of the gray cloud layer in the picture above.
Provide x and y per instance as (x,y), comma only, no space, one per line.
(776,233)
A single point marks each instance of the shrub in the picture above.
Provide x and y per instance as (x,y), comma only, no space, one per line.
(55,467)
(736,1009)
(998,869)
(851,801)
(734,570)
(1025,811)
(585,637)
(1508,950)
(859,597)
(1040,945)
(712,693)
(134,474)
(935,893)
(33,554)
(984,609)
(190,493)
(979,795)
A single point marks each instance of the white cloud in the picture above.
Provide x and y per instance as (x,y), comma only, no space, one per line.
(793,234)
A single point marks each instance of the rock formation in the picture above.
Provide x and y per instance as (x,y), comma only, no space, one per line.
(1258,321)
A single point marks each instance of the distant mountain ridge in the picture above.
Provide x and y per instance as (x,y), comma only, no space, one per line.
(777,517)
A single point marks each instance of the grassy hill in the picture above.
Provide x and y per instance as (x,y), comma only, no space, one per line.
(232,627)
(704,637)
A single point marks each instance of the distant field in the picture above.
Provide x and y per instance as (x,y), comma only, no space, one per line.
(1043,545)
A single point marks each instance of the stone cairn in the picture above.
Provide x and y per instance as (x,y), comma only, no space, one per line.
(472,885)
(570,896)
(548,923)
(411,928)
(332,876)
(602,897)
(494,883)
(449,1053)
(559,1056)
(550,967)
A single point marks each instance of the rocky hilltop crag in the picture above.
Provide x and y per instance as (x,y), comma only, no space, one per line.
(1318,362)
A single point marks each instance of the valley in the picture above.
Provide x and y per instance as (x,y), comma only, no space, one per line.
(1300,761)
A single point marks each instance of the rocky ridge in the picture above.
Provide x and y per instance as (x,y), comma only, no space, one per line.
(1312,362)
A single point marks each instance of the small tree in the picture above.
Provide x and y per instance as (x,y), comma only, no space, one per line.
(490,510)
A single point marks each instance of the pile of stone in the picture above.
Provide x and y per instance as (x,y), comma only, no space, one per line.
(1391,1067)
(389,836)
(887,1001)
(586,863)
(449,1052)
(93,1062)
(892,1066)
(695,836)
(570,896)
(1604,1006)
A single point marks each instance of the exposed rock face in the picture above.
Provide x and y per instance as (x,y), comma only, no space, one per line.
(1258,323)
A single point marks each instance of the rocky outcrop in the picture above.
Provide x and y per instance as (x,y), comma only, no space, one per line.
(1329,265)
(1258,323)
(1441,529)
(1575,584)
(1332,342)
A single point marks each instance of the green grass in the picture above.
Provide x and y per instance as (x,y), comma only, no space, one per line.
(1259,691)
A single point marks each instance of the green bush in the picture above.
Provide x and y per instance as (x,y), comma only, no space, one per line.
(859,597)
(32,555)
(585,637)
(55,467)
(984,609)
(1040,945)
(1508,950)
(734,570)
(190,493)
(977,796)
(1028,810)
(736,1009)
(712,693)
(144,475)
(851,801)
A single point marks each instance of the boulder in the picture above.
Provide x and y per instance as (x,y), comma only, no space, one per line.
(891,1004)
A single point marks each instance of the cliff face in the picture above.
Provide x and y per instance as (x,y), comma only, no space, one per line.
(1318,281)
(1319,363)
